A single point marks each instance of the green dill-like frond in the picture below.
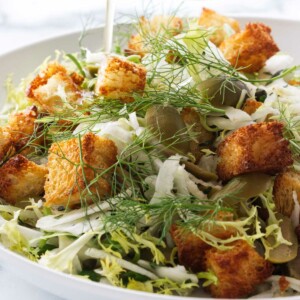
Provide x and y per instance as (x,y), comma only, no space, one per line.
(131,214)
(291,128)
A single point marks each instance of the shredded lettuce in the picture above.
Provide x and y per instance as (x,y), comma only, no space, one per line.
(177,274)
(172,176)
(76,221)
(111,270)
(166,286)
(196,40)
(209,278)
(140,286)
(66,259)
(100,254)
(16,95)
(18,238)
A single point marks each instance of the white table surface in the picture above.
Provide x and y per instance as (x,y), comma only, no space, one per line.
(25,21)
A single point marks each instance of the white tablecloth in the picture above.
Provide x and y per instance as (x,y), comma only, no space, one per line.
(23,22)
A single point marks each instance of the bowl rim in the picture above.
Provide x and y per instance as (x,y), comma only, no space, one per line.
(241,17)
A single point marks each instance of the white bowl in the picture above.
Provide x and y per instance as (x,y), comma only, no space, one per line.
(23,61)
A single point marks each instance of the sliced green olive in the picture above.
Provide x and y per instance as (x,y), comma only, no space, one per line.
(192,119)
(294,266)
(243,187)
(285,253)
(93,70)
(166,122)
(223,91)
(199,172)
(193,168)
(201,137)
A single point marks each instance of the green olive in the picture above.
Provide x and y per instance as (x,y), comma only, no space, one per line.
(243,187)
(223,90)
(294,266)
(199,172)
(285,253)
(192,168)
(93,70)
(201,137)
(166,122)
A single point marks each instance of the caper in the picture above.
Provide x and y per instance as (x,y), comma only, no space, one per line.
(223,91)
(260,95)
(284,253)
(89,264)
(167,124)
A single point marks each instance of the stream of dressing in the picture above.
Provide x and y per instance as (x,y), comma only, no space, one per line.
(109,25)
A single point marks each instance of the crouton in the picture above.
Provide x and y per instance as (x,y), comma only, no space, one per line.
(136,45)
(211,19)
(285,185)
(21,179)
(191,248)
(254,148)
(7,148)
(251,105)
(22,127)
(249,49)
(17,132)
(73,167)
(238,270)
(119,79)
(165,26)
(53,89)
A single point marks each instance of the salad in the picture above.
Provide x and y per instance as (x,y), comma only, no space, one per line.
(168,166)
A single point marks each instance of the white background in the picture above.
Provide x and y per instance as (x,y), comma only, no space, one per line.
(25,21)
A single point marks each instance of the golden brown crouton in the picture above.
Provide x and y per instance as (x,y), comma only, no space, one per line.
(119,79)
(165,26)
(136,45)
(7,148)
(209,18)
(72,168)
(285,185)
(249,49)
(238,270)
(18,131)
(254,148)
(251,105)
(54,87)
(21,179)
(22,127)
(191,248)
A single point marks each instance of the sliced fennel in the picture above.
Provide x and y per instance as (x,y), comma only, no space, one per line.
(18,238)
(100,254)
(66,260)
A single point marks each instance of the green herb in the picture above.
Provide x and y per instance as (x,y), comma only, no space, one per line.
(92,275)
(77,63)
(132,275)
